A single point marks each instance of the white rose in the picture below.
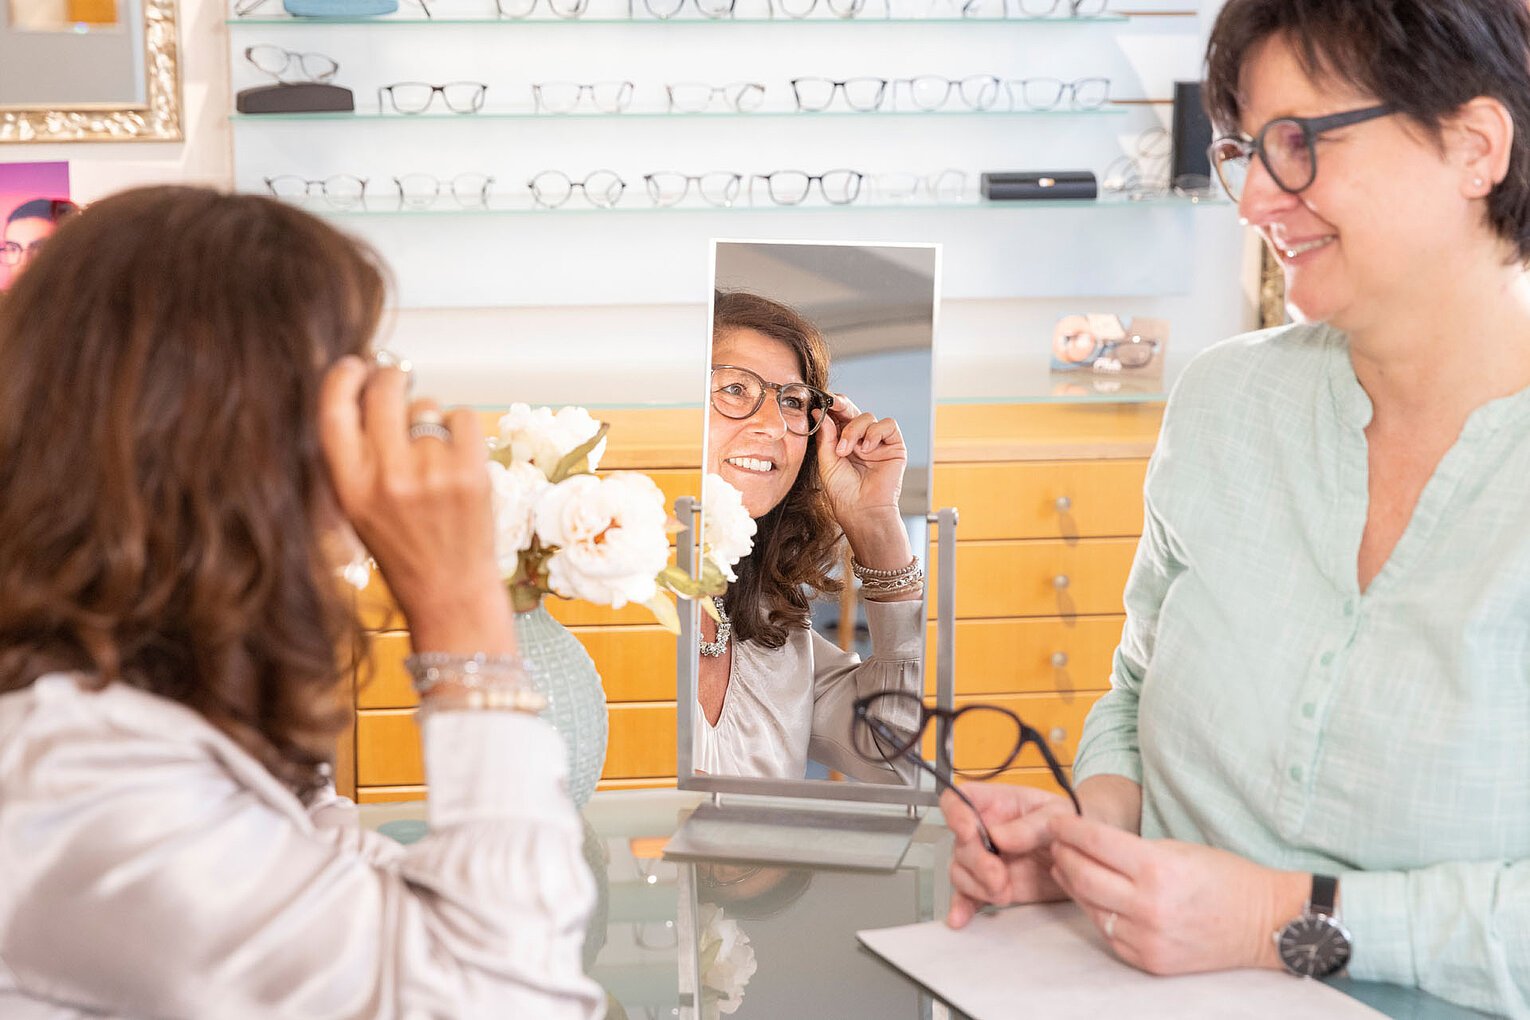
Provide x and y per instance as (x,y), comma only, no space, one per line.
(609,536)
(726,527)
(516,490)
(538,436)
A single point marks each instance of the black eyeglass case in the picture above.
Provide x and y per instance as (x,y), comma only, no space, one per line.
(1014,185)
(301,97)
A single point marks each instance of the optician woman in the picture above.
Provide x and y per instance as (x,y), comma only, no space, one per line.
(812,467)
(180,440)
(1315,747)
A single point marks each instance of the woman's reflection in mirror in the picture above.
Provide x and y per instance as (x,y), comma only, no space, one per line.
(814,471)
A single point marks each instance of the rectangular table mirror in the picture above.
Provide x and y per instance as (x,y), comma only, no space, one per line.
(814,345)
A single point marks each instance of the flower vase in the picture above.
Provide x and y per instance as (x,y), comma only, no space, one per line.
(576,701)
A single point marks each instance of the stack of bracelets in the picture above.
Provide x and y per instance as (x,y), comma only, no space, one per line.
(473,682)
(887,585)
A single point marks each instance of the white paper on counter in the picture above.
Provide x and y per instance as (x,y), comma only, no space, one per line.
(1048,961)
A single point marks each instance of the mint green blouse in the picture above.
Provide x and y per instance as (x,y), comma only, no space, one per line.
(1270,708)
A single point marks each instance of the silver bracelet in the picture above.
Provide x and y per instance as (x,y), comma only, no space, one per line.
(491,681)
(905,582)
(870,574)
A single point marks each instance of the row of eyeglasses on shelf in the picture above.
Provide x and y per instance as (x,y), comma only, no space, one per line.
(925,92)
(605,188)
(718,10)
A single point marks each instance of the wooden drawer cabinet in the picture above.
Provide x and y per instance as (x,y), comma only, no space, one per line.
(1033,577)
(1058,719)
(1025,638)
(1043,499)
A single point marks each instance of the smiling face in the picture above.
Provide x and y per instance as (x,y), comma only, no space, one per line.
(756,455)
(1383,220)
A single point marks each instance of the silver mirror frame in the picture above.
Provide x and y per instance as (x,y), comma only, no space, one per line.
(157,119)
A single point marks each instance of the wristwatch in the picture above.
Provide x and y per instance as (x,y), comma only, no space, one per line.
(1315,944)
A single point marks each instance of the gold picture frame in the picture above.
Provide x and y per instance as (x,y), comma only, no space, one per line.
(157,119)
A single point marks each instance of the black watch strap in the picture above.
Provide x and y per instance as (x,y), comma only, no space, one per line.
(1325,889)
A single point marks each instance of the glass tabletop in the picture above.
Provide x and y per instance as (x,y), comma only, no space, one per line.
(769,942)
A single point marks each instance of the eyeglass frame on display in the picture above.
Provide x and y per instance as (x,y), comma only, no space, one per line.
(856,7)
(621,189)
(877,183)
(1064,88)
(323,184)
(480,94)
(952,84)
(860,179)
(719,15)
(823,397)
(1311,128)
(1073,9)
(843,88)
(580,7)
(735,104)
(737,180)
(334,65)
(480,201)
(626,88)
(943,748)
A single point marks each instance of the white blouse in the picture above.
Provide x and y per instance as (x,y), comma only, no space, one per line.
(786,705)
(149,867)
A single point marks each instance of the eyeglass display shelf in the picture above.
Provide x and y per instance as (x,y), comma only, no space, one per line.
(390,207)
(394,118)
(275,21)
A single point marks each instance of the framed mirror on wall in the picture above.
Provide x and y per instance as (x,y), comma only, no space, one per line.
(820,410)
(89,71)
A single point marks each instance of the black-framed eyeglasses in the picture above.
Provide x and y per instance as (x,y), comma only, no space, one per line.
(1287,146)
(415,97)
(791,187)
(890,725)
(861,94)
(738,393)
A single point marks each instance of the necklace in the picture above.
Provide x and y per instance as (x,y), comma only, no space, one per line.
(712,649)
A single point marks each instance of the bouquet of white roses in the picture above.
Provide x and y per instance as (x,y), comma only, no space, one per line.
(562,529)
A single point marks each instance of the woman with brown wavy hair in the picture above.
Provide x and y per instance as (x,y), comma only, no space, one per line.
(813,469)
(186,421)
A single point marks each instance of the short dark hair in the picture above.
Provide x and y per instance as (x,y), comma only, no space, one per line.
(1425,58)
(50,209)
(796,546)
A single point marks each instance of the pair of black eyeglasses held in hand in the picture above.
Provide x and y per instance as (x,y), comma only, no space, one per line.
(890,725)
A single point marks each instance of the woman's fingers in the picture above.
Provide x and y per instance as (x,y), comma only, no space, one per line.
(851,434)
(340,430)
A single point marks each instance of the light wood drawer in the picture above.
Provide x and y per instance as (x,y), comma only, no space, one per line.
(385,794)
(1061,655)
(1043,499)
(640,438)
(1040,578)
(642,744)
(1057,719)
(634,663)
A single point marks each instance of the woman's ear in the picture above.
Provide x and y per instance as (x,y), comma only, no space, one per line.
(1477,140)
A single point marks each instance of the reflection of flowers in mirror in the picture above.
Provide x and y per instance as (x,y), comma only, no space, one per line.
(727,962)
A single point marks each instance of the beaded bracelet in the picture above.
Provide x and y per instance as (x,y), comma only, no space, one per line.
(870,574)
(489,681)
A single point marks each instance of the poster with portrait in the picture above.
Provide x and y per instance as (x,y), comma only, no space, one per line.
(33,198)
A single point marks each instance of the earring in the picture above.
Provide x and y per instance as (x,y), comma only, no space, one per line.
(1476,182)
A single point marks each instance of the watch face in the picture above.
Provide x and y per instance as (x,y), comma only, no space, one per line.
(1314,945)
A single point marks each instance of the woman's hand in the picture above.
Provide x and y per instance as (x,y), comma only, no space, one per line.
(860,462)
(1174,908)
(1016,819)
(421,507)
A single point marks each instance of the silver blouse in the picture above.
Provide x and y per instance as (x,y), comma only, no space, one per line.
(149,867)
(786,705)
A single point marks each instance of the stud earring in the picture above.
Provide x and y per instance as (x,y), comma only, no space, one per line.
(1476,182)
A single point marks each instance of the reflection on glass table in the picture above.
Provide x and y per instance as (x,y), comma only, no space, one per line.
(654,917)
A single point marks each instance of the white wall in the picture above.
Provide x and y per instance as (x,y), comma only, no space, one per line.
(604,353)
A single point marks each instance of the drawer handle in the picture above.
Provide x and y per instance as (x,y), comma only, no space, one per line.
(1063,504)
(1057,735)
(1060,582)
(1059,660)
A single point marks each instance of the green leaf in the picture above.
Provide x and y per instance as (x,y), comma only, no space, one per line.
(577,460)
(663,609)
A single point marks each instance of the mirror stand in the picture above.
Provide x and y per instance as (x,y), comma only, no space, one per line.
(751,828)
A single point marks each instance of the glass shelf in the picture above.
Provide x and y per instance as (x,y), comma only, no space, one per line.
(575,207)
(277,21)
(1028,379)
(660,115)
